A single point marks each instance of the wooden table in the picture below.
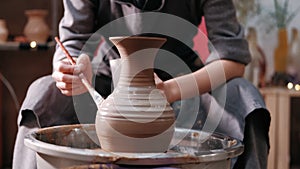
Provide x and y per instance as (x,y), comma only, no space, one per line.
(278,101)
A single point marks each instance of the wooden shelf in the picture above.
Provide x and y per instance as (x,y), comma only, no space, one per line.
(14,46)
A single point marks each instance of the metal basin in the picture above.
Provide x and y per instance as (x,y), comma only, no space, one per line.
(77,146)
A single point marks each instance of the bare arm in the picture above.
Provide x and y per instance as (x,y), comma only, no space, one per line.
(201,81)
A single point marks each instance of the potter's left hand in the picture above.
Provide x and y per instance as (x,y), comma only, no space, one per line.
(161,85)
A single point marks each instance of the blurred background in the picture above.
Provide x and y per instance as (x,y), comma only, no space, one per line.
(20,63)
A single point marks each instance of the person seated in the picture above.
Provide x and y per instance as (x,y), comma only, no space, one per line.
(62,99)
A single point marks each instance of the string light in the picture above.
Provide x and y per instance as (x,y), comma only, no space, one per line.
(290,85)
(297,87)
(33,44)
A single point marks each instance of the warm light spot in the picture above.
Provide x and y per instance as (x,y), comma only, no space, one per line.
(297,87)
(33,44)
(290,85)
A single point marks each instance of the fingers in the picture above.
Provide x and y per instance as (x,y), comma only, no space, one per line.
(67,79)
(64,66)
(76,90)
(84,65)
(83,59)
(158,82)
(68,84)
(163,87)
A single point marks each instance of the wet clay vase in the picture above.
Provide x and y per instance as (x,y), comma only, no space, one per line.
(136,117)
(36,28)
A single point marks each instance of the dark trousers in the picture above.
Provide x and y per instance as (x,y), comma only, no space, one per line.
(256,141)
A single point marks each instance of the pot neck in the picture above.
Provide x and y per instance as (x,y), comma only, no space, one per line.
(137,59)
(137,70)
(129,45)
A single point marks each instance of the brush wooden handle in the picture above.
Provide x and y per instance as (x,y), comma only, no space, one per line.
(72,61)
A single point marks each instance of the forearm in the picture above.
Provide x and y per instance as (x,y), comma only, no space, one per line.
(204,80)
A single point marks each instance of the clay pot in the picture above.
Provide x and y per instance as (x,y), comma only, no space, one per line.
(3,31)
(136,117)
(293,63)
(36,28)
(256,70)
(280,76)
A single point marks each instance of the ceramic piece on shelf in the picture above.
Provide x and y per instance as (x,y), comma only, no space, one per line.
(280,77)
(136,117)
(36,29)
(256,70)
(3,31)
(281,51)
(293,64)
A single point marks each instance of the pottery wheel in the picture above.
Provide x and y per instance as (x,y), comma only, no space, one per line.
(79,142)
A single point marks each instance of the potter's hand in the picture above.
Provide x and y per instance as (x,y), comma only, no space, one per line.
(161,85)
(67,75)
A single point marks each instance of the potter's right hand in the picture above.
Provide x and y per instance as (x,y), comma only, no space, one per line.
(67,78)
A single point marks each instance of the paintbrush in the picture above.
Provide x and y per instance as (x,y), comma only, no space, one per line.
(95,95)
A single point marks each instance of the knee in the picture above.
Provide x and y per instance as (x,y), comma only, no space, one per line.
(28,119)
(259,117)
(245,89)
(41,86)
(41,91)
(259,121)
(241,82)
(42,81)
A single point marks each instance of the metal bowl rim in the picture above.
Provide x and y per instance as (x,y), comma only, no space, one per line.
(99,155)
